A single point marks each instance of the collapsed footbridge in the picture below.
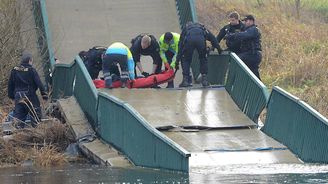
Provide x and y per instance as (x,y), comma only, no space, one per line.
(176,129)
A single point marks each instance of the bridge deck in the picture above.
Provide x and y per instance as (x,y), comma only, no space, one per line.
(80,24)
(206,108)
(184,115)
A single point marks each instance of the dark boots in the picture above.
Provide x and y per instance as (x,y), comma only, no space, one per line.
(190,80)
(170,84)
(205,82)
(186,82)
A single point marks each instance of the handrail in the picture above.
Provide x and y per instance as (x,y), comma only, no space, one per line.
(122,126)
(186,11)
(47,33)
(301,103)
(86,92)
(63,77)
(248,92)
(44,38)
(144,122)
(86,76)
(297,125)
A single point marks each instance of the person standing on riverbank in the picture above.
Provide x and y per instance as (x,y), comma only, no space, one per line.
(23,83)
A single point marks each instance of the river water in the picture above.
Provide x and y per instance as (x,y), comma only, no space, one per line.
(87,173)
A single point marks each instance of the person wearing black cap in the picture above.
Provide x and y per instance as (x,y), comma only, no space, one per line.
(194,36)
(22,86)
(168,50)
(250,45)
(234,26)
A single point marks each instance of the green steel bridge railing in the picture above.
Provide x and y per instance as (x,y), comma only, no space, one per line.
(128,131)
(297,125)
(118,123)
(186,11)
(85,92)
(44,37)
(247,91)
(217,67)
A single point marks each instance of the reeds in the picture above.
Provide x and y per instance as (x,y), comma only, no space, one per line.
(44,145)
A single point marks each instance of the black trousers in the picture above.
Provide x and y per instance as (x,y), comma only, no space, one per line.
(27,103)
(110,62)
(199,44)
(252,60)
(94,69)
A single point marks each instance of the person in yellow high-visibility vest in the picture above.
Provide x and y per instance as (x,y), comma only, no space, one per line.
(168,50)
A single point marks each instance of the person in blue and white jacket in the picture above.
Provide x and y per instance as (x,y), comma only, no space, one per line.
(118,53)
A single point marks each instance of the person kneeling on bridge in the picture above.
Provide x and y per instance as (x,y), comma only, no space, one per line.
(194,36)
(117,53)
(146,45)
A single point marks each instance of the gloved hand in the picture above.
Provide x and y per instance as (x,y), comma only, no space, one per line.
(229,35)
(208,50)
(167,66)
(219,50)
(172,65)
(124,79)
(145,74)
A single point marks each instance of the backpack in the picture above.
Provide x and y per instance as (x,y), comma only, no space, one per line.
(196,25)
(94,55)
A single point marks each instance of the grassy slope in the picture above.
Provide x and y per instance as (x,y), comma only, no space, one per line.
(295,50)
(9,43)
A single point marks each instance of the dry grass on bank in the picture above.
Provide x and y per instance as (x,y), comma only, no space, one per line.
(10,42)
(295,49)
(17,34)
(43,145)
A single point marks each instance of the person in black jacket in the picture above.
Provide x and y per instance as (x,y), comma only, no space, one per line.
(22,86)
(93,60)
(194,36)
(235,26)
(146,45)
(251,48)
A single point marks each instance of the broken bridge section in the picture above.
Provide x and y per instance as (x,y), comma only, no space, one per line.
(208,124)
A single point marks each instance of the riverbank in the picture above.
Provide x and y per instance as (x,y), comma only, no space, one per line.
(45,145)
(294,42)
